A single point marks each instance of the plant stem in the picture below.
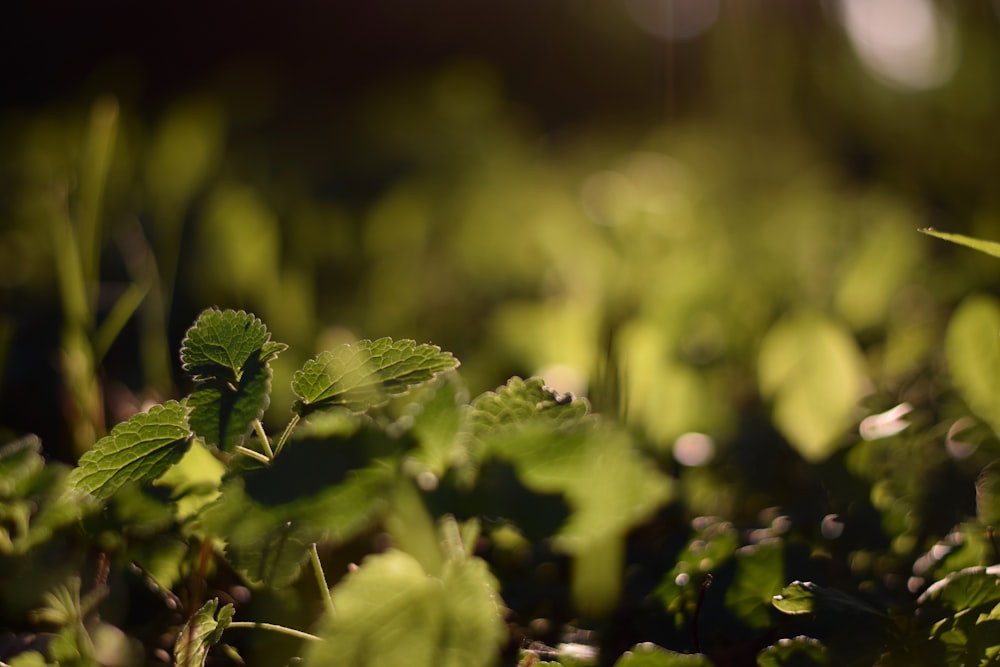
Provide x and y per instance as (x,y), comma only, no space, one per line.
(275,628)
(324,589)
(252,454)
(292,423)
(259,428)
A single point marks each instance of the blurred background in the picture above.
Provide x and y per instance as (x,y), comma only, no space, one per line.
(702,214)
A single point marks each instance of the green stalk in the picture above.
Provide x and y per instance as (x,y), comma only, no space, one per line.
(324,588)
(274,628)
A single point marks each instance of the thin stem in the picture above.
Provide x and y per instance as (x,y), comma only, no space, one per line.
(697,611)
(275,628)
(324,589)
(293,422)
(259,428)
(252,454)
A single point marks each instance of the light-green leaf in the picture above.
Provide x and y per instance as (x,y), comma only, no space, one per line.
(138,450)
(972,345)
(805,597)
(391,612)
(367,374)
(988,247)
(223,413)
(200,633)
(221,342)
(651,655)
(813,370)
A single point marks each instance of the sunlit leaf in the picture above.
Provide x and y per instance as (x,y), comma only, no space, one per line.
(520,400)
(223,413)
(798,651)
(138,450)
(221,342)
(366,374)
(391,612)
(811,368)
(972,345)
(200,633)
(650,655)
(805,597)
(988,247)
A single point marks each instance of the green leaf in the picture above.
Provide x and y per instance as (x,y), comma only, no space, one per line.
(760,571)
(391,612)
(200,633)
(805,597)
(270,516)
(813,370)
(221,342)
(366,374)
(138,450)
(800,651)
(651,655)
(228,354)
(988,247)
(972,346)
(223,413)
(520,400)
(966,588)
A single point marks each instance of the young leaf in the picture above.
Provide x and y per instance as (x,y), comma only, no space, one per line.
(200,633)
(988,247)
(520,400)
(366,374)
(965,588)
(651,655)
(138,450)
(228,354)
(221,342)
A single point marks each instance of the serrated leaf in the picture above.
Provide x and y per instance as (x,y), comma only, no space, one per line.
(812,369)
(200,633)
(651,655)
(520,400)
(223,413)
(800,651)
(220,343)
(988,247)
(138,450)
(364,375)
(972,346)
(805,597)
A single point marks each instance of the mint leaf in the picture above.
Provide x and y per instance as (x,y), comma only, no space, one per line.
(966,588)
(221,342)
(223,413)
(228,354)
(366,374)
(805,597)
(138,450)
(200,633)
(520,400)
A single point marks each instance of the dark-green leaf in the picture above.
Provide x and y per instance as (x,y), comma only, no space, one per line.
(366,374)
(138,450)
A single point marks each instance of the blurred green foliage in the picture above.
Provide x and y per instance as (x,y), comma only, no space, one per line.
(734,278)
